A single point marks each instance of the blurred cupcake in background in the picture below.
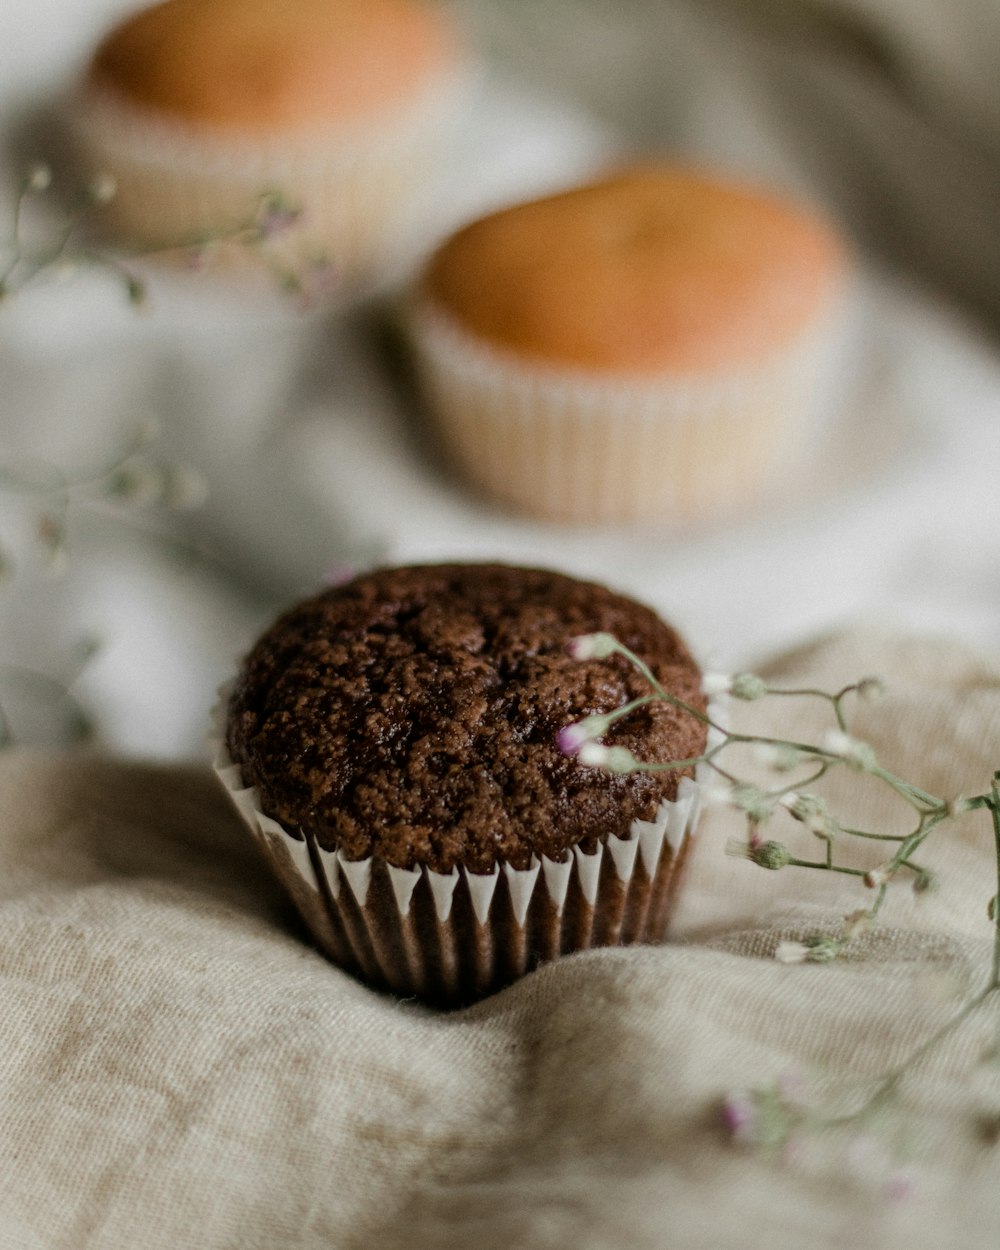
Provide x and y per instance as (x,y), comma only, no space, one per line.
(334,112)
(659,345)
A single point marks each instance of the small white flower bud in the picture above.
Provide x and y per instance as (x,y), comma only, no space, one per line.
(857,754)
(593,646)
(593,754)
(791,952)
(716,683)
(137,484)
(925,882)
(779,757)
(772,855)
(870,689)
(757,804)
(102,188)
(812,811)
(856,923)
(614,759)
(39,177)
(146,431)
(185,488)
(748,687)
(620,760)
(716,794)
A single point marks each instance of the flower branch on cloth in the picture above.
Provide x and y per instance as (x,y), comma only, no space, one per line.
(771,1117)
(127,481)
(72,243)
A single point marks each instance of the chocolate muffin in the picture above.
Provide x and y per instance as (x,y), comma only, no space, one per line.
(402,732)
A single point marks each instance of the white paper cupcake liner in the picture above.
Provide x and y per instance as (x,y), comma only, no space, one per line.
(361,188)
(570,446)
(453,937)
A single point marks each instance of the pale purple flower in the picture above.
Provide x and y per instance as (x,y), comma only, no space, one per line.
(739,1115)
(339,573)
(277,217)
(571,738)
(900,1185)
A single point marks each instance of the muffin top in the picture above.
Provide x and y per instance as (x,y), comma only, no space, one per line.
(655,270)
(413,714)
(264,65)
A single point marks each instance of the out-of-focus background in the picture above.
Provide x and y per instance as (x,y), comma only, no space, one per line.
(307,435)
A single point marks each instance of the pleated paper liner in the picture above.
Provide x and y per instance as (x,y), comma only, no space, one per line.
(574,447)
(451,938)
(361,189)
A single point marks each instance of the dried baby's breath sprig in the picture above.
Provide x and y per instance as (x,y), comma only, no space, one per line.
(70,241)
(76,725)
(129,478)
(765,1116)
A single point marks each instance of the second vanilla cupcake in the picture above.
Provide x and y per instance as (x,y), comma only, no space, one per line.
(198,108)
(652,346)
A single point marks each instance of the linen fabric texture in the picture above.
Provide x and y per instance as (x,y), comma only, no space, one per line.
(179,1068)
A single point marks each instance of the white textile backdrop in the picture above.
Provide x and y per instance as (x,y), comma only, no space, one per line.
(310,440)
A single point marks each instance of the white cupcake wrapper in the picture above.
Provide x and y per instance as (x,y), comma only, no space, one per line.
(571,446)
(361,188)
(363,912)
(674,820)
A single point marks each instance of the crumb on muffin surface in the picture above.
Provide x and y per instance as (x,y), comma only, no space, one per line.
(412,714)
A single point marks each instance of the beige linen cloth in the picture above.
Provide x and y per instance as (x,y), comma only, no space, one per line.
(179,1069)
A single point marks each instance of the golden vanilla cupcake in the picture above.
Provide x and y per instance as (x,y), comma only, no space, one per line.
(199,108)
(647,347)
(399,746)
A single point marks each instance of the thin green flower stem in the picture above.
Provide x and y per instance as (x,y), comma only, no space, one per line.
(101,260)
(805,748)
(59,691)
(645,670)
(15,239)
(671,766)
(890,1082)
(913,867)
(834,700)
(15,222)
(825,867)
(805,782)
(912,842)
(878,837)
(913,794)
(995,815)
(65,485)
(618,712)
(42,260)
(880,897)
